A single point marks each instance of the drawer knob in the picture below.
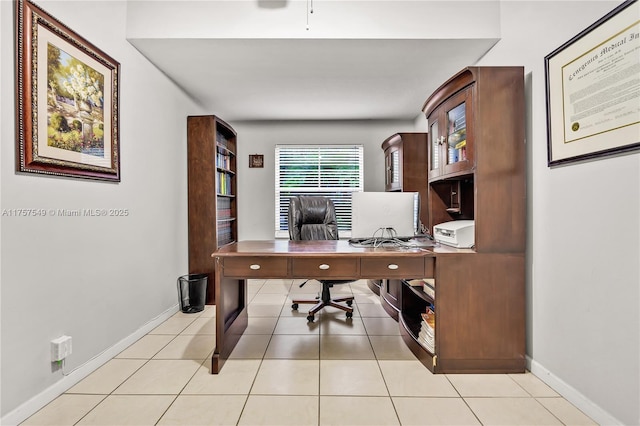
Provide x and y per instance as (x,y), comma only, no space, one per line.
(255,266)
(392,266)
(324,266)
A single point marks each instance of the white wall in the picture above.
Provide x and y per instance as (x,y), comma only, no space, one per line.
(97,279)
(256,188)
(583,241)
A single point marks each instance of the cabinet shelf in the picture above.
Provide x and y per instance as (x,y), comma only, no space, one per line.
(411,324)
(228,219)
(421,294)
(409,331)
(414,328)
(225,151)
(227,171)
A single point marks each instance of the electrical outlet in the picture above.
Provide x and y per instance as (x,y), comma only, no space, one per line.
(60,348)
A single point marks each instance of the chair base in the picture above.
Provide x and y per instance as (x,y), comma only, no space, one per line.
(325,300)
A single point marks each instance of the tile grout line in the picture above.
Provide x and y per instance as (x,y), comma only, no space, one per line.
(146,361)
(535,399)
(246,400)
(381,372)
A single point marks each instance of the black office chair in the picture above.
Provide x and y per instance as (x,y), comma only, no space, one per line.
(314,218)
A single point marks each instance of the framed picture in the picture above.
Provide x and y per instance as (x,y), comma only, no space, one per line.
(256,160)
(592,90)
(67,100)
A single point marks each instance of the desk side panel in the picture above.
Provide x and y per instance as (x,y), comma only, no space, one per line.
(231,317)
(480,308)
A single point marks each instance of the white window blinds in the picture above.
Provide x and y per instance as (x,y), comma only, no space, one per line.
(334,171)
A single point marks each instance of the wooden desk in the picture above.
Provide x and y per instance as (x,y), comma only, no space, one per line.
(480,302)
(297,259)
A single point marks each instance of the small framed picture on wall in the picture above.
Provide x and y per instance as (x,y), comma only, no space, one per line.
(256,160)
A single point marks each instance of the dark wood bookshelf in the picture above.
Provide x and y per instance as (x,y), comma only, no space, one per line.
(212,192)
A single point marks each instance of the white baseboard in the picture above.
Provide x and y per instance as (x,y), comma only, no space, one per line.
(34,404)
(572,395)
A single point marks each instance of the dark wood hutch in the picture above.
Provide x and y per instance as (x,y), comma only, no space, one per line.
(476,171)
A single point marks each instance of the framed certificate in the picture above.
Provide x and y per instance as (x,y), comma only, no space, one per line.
(593,90)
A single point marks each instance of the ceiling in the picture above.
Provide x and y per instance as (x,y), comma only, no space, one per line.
(311,78)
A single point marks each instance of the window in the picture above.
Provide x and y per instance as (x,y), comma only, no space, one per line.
(334,171)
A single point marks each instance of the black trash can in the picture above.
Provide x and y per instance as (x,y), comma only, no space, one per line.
(192,292)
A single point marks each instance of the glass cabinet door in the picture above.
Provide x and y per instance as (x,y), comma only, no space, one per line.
(457,134)
(435,146)
(395,167)
(450,136)
(456,148)
(393,175)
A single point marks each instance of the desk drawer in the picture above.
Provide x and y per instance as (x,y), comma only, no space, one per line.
(321,267)
(394,267)
(255,267)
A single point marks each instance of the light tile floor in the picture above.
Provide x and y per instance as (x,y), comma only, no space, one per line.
(285,371)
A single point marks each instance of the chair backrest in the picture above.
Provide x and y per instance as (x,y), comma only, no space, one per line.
(312,218)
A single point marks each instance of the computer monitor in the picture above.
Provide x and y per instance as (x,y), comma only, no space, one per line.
(384,214)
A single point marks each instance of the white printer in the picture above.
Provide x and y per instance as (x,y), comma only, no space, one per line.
(457,233)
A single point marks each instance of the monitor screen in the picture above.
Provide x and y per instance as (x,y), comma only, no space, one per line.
(375,213)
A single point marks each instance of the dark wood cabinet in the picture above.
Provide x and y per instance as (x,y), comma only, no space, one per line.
(212,196)
(405,157)
(488,186)
(451,136)
(390,294)
(476,167)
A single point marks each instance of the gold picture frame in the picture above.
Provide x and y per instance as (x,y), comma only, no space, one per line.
(67,100)
(591,90)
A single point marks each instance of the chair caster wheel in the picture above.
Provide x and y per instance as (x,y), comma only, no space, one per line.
(310,318)
(294,306)
(349,302)
(349,314)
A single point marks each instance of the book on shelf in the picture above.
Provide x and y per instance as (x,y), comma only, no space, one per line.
(224,214)
(427,333)
(415,283)
(457,118)
(223,161)
(427,341)
(224,233)
(429,319)
(223,208)
(223,184)
(221,139)
(428,285)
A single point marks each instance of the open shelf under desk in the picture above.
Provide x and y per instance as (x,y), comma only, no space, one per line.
(409,328)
